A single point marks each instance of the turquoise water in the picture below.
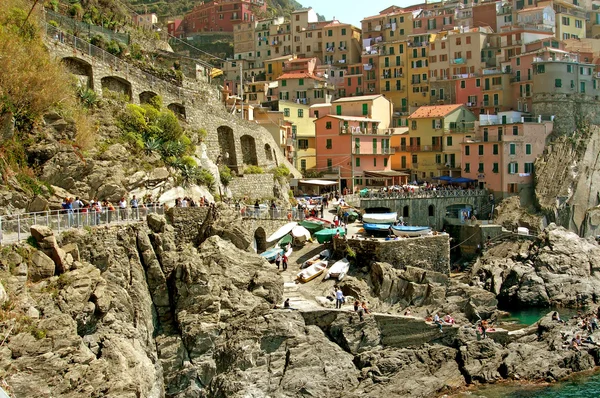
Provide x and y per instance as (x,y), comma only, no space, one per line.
(584,386)
(529,316)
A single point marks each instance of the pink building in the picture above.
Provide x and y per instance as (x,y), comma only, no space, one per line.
(503,150)
(356,147)
(487,93)
(353,82)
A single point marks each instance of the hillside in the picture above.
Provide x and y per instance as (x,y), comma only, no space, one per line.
(170,8)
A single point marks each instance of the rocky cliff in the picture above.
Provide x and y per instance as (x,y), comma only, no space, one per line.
(559,268)
(567,181)
(131,311)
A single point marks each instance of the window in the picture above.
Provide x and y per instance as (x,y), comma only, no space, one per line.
(283,82)
(374,162)
(357,164)
(515,130)
(513,149)
(316,114)
(557,83)
(480,150)
(385,162)
(540,69)
(349,81)
(467,150)
(329,164)
(495,149)
(478,82)
(480,168)
(300,112)
(570,67)
(343,31)
(495,168)
(302,144)
(462,84)
(566,21)
(430,211)
(467,167)
(286,112)
(330,33)
(414,160)
(413,125)
(303,164)
(527,149)
(301,82)
(582,87)
(338,110)
(448,141)
(528,168)
(328,125)
(513,168)
(365,109)
(578,23)
(328,145)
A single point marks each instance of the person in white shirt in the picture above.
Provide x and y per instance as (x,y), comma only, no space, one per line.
(123,209)
(339,298)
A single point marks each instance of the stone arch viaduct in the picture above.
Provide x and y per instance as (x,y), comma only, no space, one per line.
(432,208)
(231,141)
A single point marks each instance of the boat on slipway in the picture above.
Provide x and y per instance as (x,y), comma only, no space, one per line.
(338,270)
(379,218)
(376,228)
(326,235)
(323,256)
(281,232)
(271,254)
(405,230)
(310,273)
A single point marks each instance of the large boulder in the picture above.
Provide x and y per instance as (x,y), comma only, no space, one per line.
(42,266)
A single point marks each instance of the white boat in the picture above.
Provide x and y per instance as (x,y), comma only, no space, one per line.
(312,272)
(405,230)
(338,270)
(281,232)
(301,233)
(323,256)
(289,251)
(379,218)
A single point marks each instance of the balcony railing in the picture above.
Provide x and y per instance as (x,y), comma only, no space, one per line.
(461,127)
(373,151)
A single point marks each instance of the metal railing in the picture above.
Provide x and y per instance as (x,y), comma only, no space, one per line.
(15,228)
(439,193)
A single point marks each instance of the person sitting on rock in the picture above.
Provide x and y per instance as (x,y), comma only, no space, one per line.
(286,303)
(484,327)
(356,305)
(437,321)
(449,320)
(556,317)
(576,343)
(408,312)
(364,307)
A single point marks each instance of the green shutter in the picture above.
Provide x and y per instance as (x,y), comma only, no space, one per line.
(365,109)
(338,110)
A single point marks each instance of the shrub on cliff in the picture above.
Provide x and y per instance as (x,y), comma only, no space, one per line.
(253,170)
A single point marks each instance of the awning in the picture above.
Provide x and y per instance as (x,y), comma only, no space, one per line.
(442,178)
(215,72)
(460,180)
(318,182)
(390,173)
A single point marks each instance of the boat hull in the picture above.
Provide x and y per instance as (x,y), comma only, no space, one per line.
(376,227)
(410,231)
(379,218)
(338,270)
(326,235)
(271,254)
(310,273)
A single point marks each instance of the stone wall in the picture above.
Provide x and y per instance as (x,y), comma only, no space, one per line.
(569,109)
(253,186)
(428,252)
(419,208)
(186,222)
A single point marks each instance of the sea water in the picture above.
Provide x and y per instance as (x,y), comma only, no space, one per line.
(579,386)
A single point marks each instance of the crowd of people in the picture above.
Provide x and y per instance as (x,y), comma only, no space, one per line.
(587,322)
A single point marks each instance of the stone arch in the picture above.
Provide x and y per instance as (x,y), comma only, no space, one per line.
(249,150)
(405,211)
(147,96)
(82,70)
(117,85)
(268,152)
(177,109)
(431,210)
(260,240)
(227,147)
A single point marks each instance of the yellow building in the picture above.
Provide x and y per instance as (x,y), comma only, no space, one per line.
(274,67)
(570,19)
(341,44)
(393,74)
(434,140)
(375,107)
(417,64)
(303,129)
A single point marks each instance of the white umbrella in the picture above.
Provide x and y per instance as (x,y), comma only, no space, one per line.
(299,231)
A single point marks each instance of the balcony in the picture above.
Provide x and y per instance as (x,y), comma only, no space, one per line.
(421,148)
(460,127)
(373,151)
(457,61)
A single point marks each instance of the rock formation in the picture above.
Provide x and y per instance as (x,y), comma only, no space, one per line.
(558,269)
(133,311)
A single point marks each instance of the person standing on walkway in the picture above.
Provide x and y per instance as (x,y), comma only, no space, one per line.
(134,208)
(339,298)
(123,209)
(278,260)
(284,262)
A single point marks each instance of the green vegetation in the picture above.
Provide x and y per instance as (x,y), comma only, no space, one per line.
(152,129)
(280,172)
(226,176)
(253,170)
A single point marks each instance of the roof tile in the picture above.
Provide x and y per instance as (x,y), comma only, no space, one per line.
(434,111)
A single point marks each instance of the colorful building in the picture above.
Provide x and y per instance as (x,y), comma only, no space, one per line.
(434,138)
(356,140)
(221,15)
(502,152)
(303,132)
